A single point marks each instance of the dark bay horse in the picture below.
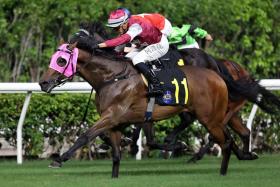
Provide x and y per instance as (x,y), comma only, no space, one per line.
(266,100)
(121,98)
(270,104)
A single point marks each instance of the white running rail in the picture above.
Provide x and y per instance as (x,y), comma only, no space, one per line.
(270,84)
(29,88)
(84,87)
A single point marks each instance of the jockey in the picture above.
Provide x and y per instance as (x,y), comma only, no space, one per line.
(184,37)
(151,30)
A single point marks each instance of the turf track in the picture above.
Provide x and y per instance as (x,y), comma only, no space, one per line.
(146,173)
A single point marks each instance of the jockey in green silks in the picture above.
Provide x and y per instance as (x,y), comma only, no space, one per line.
(184,37)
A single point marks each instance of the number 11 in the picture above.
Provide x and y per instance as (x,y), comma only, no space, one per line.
(184,82)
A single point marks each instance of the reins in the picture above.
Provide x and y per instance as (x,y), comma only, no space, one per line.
(122,75)
(118,77)
(86,111)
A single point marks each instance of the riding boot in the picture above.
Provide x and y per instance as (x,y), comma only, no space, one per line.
(154,84)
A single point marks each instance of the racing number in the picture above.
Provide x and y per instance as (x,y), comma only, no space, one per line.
(184,82)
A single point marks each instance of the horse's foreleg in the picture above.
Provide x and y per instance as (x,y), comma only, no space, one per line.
(149,132)
(186,120)
(115,137)
(202,151)
(103,124)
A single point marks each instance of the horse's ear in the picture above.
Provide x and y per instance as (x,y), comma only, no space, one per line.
(72,46)
(61,41)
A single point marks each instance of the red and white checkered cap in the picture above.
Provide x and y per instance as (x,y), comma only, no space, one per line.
(117,18)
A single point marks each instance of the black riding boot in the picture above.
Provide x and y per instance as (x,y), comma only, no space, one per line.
(154,84)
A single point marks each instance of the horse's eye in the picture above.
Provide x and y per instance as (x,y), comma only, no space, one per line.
(61,62)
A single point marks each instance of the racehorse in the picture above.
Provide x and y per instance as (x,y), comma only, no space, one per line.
(105,73)
(121,97)
(196,57)
(267,101)
(256,94)
(238,73)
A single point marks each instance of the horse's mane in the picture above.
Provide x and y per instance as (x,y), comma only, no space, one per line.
(88,42)
(95,27)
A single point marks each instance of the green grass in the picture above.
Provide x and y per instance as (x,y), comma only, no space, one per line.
(146,173)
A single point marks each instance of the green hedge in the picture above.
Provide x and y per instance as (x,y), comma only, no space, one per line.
(53,116)
(59,115)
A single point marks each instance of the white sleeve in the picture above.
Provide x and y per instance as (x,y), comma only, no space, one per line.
(134,30)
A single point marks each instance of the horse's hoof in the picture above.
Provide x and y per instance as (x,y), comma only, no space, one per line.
(250,156)
(183,145)
(254,156)
(192,160)
(223,172)
(55,164)
(126,141)
(104,147)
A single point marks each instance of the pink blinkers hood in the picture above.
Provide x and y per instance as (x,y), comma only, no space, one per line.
(71,58)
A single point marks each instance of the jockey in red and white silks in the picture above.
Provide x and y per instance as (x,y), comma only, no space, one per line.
(150,29)
(155,36)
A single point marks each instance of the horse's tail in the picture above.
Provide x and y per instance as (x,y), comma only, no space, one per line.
(251,90)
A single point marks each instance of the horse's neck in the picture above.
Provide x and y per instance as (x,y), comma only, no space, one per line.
(98,37)
(100,70)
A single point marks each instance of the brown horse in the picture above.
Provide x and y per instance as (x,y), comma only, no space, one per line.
(121,98)
(269,103)
(266,100)
(237,72)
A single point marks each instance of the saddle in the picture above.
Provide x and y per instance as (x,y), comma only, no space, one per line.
(172,79)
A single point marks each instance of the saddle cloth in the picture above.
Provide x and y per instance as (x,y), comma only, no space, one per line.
(172,79)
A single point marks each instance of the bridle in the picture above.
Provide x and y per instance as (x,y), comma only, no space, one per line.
(61,78)
(64,74)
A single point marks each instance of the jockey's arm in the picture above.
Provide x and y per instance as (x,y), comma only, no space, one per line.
(125,38)
(133,31)
(200,33)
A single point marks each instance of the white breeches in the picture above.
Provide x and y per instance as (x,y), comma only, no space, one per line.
(151,52)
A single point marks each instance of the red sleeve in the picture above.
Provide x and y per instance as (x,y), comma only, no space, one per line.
(118,41)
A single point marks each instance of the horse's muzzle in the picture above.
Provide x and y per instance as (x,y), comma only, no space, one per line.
(46,86)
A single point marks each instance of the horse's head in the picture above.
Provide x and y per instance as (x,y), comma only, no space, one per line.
(64,62)
(62,67)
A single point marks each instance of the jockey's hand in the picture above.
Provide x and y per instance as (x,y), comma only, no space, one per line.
(129,49)
(208,37)
(101,45)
